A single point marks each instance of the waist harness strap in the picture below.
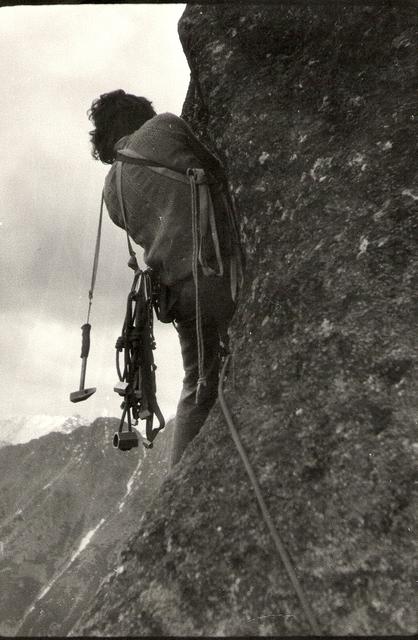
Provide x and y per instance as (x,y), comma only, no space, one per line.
(131,157)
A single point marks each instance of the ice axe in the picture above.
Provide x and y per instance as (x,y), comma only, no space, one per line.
(82,393)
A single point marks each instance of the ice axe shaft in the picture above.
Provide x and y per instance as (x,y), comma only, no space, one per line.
(83,372)
(82,393)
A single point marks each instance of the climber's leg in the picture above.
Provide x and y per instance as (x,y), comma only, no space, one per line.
(190,416)
(217,310)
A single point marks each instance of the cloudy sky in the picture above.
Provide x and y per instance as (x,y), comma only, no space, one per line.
(54,61)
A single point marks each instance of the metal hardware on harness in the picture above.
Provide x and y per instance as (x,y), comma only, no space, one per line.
(125,440)
(266,515)
(136,383)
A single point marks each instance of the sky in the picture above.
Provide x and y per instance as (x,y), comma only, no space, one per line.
(54,61)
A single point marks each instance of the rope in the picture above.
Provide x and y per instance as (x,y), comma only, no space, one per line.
(96,258)
(195,270)
(132,262)
(237,259)
(264,510)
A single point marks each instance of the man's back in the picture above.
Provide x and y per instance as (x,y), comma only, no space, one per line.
(158,207)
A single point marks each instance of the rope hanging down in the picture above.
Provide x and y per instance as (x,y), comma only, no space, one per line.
(201,382)
(264,510)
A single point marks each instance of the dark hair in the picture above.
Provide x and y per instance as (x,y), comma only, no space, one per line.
(114,115)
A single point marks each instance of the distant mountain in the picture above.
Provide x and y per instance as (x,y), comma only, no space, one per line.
(67,500)
(20,429)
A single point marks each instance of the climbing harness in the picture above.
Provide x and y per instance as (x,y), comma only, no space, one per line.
(264,510)
(203,223)
(137,382)
(82,393)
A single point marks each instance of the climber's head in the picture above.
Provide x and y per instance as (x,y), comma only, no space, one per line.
(114,115)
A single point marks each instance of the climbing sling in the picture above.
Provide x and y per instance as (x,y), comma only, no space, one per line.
(137,382)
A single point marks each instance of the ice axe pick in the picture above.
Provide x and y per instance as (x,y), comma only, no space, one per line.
(82,393)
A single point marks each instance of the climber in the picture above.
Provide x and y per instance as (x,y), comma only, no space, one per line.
(198,282)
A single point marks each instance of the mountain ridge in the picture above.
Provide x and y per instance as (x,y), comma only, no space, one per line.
(20,429)
(66,501)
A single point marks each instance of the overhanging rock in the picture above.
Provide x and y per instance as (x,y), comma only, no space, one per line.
(312,110)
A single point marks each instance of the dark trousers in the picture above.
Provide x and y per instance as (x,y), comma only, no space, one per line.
(217,309)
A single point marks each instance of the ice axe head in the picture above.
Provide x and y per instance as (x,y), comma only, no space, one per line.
(82,394)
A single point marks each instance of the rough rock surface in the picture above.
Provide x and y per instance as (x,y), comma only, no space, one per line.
(312,110)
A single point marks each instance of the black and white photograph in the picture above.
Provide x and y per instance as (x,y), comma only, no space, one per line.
(208,321)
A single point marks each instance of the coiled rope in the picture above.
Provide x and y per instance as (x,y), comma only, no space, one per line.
(264,510)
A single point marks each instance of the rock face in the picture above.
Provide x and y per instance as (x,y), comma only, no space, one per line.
(312,110)
(67,501)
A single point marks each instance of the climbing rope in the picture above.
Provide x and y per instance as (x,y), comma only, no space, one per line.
(264,510)
(201,382)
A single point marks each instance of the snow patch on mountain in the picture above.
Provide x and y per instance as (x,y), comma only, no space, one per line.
(86,541)
(21,429)
(130,484)
(82,546)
